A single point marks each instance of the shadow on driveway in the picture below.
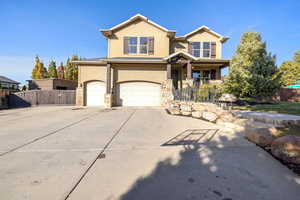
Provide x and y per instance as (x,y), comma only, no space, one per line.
(207,169)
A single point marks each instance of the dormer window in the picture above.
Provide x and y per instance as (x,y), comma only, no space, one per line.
(139,45)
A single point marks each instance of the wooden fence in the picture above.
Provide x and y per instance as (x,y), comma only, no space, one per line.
(41,97)
(4,97)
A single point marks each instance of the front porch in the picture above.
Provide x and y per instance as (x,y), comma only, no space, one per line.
(184,70)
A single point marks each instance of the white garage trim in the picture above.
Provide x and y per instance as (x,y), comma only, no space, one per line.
(138,94)
(95,91)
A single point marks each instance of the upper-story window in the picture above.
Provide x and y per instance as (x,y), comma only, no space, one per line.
(203,49)
(196,49)
(139,45)
(132,45)
(206,50)
(143,45)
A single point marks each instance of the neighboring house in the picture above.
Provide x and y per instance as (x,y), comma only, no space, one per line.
(8,83)
(51,84)
(142,55)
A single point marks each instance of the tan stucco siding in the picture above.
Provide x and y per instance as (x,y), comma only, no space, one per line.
(139,29)
(151,73)
(89,73)
(199,37)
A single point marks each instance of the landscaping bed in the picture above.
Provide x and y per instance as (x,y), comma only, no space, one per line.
(292,108)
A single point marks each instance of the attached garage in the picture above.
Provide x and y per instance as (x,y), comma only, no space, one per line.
(95,91)
(138,94)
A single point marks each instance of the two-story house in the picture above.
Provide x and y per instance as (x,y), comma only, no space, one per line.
(141,55)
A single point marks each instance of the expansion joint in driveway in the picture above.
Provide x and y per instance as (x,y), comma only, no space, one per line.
(44,136)
(99,155)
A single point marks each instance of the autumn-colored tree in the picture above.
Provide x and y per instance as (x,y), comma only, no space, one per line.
(291,70)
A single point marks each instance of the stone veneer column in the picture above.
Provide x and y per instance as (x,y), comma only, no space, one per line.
(166,92)
(79,96)
(108,97)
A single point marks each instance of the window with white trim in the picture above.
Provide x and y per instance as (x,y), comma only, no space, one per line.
(196,49)
(206,50)
(132,45)
(143,45)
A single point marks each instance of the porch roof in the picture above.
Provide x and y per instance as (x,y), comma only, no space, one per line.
(154,60)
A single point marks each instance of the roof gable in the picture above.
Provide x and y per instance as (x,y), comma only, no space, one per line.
(7,80)
(109,32)
(206,29)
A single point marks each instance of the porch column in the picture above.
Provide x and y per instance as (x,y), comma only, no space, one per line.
(108,78)
(189,70)
(108,98)
(168,71)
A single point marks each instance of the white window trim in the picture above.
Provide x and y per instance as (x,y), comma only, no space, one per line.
(147,45)
(202,49)
(138,46)
(130,45)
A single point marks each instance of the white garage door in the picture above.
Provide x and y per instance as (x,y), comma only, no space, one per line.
(95,93)
(139,94)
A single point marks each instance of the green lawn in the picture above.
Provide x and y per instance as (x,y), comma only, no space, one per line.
(281,107)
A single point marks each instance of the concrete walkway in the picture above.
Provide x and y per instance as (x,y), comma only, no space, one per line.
(276,119)
(53,153)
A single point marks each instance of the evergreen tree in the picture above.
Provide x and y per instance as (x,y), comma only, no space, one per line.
(71,70)
(52,72)
(61,71)
(253,72)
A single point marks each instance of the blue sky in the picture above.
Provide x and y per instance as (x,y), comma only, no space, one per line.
(57,29)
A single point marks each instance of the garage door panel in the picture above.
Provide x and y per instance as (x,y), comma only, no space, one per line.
(95,93)
(138,94)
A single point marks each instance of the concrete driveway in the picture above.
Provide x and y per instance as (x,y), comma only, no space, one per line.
(131,153)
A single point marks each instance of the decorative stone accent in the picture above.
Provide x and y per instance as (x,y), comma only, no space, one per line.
(197,114)
(198,107)
(287,148)
(227,117)
(108,100)
(186,113)
(260,136)
(166,92)
(186,107)
(79,97)
(174,111)
(228,98)
(209,116)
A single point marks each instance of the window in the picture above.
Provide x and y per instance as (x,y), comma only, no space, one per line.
(195,49)
(206,49)
(138,45)
(132,46)
(143,45)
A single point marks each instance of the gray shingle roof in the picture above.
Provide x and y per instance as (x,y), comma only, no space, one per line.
(7,80)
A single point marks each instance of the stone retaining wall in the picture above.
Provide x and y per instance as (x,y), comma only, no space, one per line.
(207,111)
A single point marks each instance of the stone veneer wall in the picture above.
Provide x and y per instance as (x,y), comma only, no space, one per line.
(79,96)
(166,92)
